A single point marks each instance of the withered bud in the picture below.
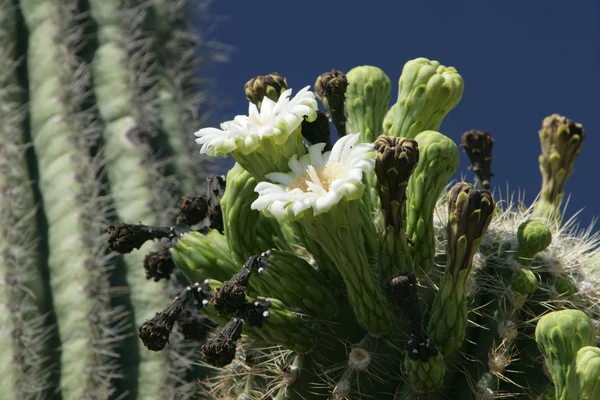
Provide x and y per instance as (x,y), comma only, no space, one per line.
(159,265)
(192,210)
(193,325)
(469,214)
(258,263)
(421,349)
(124,238)
(330,88)
(155,332)
(256,313)
(318,130)
(231,297)
(219,351)
(478,146)
(396,160)
(271,86)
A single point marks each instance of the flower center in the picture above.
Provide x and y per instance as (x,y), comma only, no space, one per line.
(322,176)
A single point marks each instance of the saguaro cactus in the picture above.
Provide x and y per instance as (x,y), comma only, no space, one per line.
(356,301)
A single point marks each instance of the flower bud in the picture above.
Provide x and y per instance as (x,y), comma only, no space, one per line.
(478,146)
(330,88)
(271,86)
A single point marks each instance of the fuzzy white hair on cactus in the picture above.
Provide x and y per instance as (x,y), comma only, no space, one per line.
(317,180)
(274,119)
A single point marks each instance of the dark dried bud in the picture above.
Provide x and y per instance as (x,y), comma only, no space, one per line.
(192,210)
(193,325)
(258,263)
(124,238)
(396,160)
(478,146)
(271,86)
(469,215)
(330,88)
(256,313)
(231,297)
(220,350)
(318,130)
(421,349)
(155,332)
(159,265)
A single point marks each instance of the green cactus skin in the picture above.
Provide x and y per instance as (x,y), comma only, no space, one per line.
(561,141)
(78,267)
(560,335)
(200,255)
(24,368)
(438,161)
(426,94)
(587,368)
(425,377)
(339,234)
(179,94)
(367,100)
(534,237)
(248,232)
(124,111)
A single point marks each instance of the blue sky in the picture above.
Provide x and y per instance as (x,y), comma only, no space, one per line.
(520,60)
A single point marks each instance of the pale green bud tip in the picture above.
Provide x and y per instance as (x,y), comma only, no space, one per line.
(562,333)
(271,86)
(470,213)
(587,368)
(478,146)
(330,88)
(396,161)
(534,236)
(523,282)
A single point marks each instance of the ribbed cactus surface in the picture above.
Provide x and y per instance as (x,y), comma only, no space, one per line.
(96,99)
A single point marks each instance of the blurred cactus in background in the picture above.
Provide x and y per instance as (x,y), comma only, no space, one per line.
(97,99)
(314,269)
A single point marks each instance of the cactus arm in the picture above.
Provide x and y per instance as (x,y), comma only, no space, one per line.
(128,165)
(24,370)
(77,266)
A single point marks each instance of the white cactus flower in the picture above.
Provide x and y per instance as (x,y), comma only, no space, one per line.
(317,180)
(276,120)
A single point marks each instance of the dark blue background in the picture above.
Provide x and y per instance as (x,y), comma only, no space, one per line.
(520,60)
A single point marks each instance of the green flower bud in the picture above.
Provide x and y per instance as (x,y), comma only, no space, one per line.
(560,335)
(565,286)
(330,88)
(271,86)
(523,282)
(427,92)
(470,212)
(478,146)
(469,215)
(561,141)
(367,100)
(587,368)
(533,236)
(438,160)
